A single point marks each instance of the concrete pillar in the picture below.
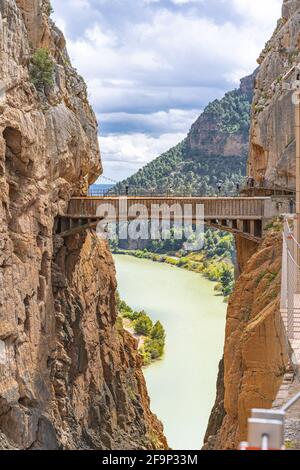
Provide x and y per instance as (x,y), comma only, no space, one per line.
(252,227)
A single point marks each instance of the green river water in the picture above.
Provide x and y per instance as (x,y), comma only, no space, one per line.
(182,386)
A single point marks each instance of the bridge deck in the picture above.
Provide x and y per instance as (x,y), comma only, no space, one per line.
(214,207)
(244,215)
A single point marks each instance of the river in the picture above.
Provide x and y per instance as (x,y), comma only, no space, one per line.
(182,386)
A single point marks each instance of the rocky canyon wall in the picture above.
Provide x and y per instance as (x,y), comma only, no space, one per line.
(70,377)
(272,142)
(256,351)
(215,133)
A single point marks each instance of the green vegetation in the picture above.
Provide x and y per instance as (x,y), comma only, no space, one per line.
(42,69)
(143,325)
(215,260)
(276,225)
(187,168)
(231,113)
(152,348)
(49,9)
(227,281)
(179,171)
(290,445)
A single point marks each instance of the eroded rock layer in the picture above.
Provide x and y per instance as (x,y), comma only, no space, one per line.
(69,376)
(272,135)
(255,352)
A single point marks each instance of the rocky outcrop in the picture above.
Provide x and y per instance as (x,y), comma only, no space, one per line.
(272,135)
(69,376)
(100,393)
(223,127)
(255,352)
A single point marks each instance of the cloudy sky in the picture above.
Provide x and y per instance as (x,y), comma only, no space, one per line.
(152,65)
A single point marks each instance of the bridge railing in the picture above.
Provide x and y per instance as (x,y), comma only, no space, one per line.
(266,426)
(290,290)
(214,207)
(264,187)
(132,191)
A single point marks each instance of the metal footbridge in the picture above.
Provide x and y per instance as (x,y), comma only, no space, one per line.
(246,216)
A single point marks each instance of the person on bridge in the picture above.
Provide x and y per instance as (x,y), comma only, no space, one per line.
(126,190)
(219,186)
(250,182)
(238,188)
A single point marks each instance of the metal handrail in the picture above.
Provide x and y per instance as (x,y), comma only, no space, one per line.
(291,403)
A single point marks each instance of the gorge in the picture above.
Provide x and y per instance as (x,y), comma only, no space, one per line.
(70,375)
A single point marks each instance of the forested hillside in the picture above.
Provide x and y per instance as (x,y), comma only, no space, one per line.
(215,150)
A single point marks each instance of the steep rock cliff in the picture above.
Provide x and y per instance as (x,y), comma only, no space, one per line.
(223,127)
(69,376)
(255,352)
(272,136)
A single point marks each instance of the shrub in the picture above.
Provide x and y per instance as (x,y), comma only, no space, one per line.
(42,69)
(143,325)
(158,331)
(227,280)
(50,9)
(154,348)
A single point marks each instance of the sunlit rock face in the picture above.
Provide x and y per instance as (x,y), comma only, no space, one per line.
(272,142)
(211,137)
(255,352)
(69,377)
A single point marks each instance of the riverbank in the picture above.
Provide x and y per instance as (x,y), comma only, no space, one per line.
(218,269)
(150,337)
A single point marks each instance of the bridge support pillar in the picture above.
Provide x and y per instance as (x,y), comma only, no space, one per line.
(239,224)
(245,248)
(234,224)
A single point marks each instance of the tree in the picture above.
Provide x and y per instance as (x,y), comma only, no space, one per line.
(154,348)
(158,331)
(42,69)
(143,325)
(227,279)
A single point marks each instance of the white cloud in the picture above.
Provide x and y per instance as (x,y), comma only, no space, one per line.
(184,2)
(173,120)
(260,13)
(151,64)
(173,50)
(124,154)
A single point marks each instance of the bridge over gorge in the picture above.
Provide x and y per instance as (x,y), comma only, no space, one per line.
(246,216)
(240,215)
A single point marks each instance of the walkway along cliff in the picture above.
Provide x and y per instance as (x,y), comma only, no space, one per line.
(255,362)
(70,377)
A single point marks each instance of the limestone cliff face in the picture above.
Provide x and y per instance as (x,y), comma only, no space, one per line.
(69,376)
(272,143)
(216,132)
(255,352)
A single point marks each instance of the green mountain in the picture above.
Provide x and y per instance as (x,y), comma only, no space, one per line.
(215,149)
